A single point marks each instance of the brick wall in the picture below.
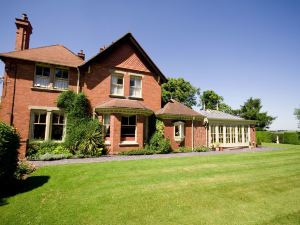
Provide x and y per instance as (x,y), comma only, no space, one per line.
(199,134)
(26,96)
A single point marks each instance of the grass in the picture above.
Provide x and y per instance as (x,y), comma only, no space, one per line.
(247,188)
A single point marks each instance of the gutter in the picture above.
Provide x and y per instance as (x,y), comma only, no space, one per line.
(78,80)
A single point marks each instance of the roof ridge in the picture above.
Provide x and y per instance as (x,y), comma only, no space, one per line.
(47,46)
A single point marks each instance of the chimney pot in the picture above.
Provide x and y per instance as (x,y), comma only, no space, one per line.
(81,54)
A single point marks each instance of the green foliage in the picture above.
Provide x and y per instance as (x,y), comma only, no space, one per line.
(9,144)
(264,136)
(251,111)
(183,149)
(157,142)
(211,100)
(180,90)
(297,114)
(142,151)
(41,150)
(201,149)
(291,138)
(84,135)
(24,168)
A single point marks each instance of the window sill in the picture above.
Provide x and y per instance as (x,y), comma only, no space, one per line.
(116,96)
(48,89)
(135,98)
(178,139)
(107,143)
(128,143)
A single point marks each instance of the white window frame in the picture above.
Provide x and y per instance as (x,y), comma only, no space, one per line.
(136,77)
(112,85)
(180,137)
(48,129)
(106,122)
(65,81)
(42,77)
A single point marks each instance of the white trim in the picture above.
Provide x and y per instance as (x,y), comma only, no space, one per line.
(181,136)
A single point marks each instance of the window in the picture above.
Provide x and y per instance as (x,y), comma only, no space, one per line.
(39,125)
(228,130)
(233,135)
(42,76)
(213,134)
(106,124)
(246,133)
(128,125)
(179,131)
(135,86)
(239,134)
(61,80)
(117,87)
(58,125)
(221,137)
(47,125)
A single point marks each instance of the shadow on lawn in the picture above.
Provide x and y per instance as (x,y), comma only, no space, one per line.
(21,186)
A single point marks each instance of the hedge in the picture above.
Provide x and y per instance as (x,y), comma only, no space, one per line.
(286,137)
(290,138)
(264,136)
(9,144)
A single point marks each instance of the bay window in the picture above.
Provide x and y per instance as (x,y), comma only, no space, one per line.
(128,126)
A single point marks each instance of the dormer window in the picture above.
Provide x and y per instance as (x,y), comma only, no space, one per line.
(61,80)
(136,86)
(42,76)
(179,131)
(117,84)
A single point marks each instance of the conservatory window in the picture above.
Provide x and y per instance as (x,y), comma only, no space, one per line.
(228,139)
(213,134)
(221,138)
(246,133)
(239,134)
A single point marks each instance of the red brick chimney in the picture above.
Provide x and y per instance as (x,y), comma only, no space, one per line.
(24,30)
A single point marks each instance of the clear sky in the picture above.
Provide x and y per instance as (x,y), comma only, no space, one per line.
(240,49)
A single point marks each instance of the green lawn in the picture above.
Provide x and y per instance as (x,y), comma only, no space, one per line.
(247,188)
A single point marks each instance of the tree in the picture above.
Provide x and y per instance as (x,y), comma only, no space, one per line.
(180,90)
(211,100)
(251,111)
(297,114)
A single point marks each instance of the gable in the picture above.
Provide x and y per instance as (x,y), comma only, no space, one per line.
(126,57)
(127,53)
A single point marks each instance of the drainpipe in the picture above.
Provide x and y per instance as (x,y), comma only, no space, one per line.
(13,97)
(78,80)
(193,134)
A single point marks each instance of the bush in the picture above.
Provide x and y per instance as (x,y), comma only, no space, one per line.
(43,150)
(274,137)
(86,138)
(264,136)
(9,144)
(24,168)
(183,149)
(201,149)
(290,138)
(138,152)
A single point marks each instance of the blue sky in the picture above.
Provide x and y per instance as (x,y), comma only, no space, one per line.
(239,49)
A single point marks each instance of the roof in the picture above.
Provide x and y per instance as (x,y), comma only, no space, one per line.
(221,116)
(123,105)
(130,39)
(174,109)
(53,54)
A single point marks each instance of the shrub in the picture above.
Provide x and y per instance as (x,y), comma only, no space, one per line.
(274,137)
(183,149)
(138,152)
(201,149)
(9,144)
(290,138)
(42,150)
(264,136)
(24,168)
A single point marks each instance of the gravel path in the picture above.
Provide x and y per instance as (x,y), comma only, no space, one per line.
(138,157)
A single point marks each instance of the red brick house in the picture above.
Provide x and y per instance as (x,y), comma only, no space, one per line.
(124,87)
